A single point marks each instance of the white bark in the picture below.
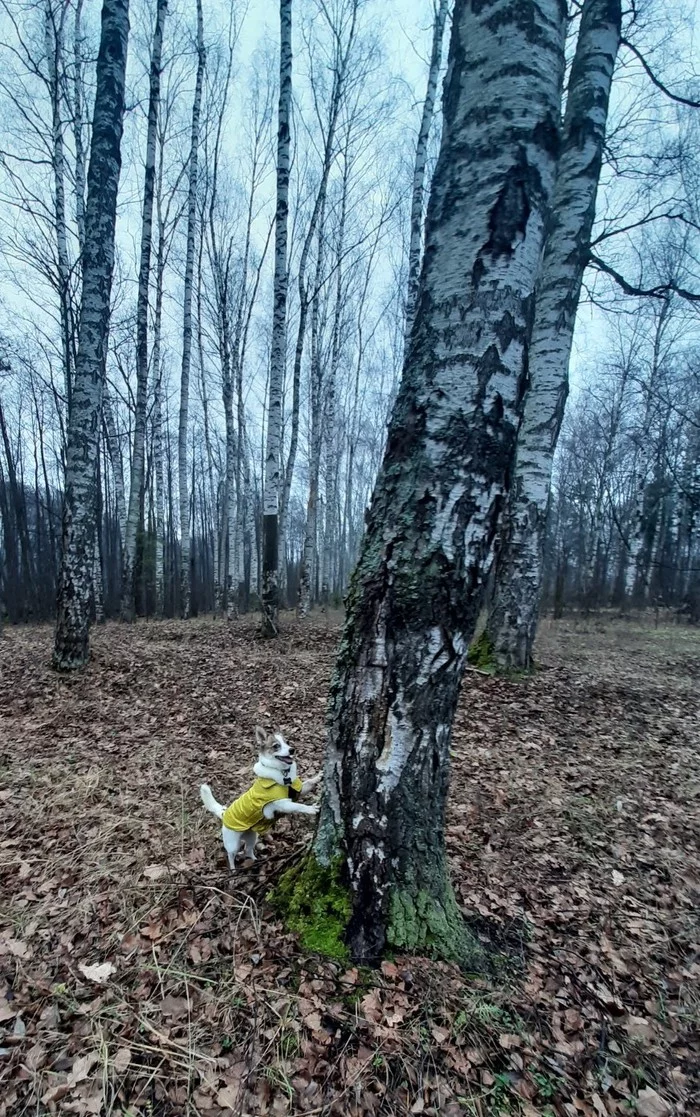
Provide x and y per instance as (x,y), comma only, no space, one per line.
(513,616)
(183,480)
(309,555)
(53,28)
(278,354)
(420,164)
(78,124)
(128,603)
(115,457)
(332,434)
(71,647)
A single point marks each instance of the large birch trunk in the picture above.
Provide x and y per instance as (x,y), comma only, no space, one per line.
(418,586)
(278,355)
(420,164)
(128,603)
(185,589)
(512,622)
(72,646)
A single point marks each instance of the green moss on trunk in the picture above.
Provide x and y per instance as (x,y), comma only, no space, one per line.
(314,902)
(481,654)
(420,924)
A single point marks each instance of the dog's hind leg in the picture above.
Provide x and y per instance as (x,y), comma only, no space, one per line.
(232,844)
(250,838)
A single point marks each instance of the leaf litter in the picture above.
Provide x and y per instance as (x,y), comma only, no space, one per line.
(137,977)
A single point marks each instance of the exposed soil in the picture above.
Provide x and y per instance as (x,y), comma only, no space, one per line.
(138,978)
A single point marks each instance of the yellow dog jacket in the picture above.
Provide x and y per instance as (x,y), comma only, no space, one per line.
(246,812)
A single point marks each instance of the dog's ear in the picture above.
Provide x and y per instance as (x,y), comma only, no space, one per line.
(260,737)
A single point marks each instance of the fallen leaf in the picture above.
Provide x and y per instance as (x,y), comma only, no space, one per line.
(508,1042)
(638,1027)
(122,1059)
(98,973)
(155,872)
(55,1093)
(651,1104)
(82,1067)
(228,1097)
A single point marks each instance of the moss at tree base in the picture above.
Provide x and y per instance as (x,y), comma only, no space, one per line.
(314,902)
(420,924)
(481,654)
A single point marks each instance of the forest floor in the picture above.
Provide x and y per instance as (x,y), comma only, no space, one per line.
(138,978)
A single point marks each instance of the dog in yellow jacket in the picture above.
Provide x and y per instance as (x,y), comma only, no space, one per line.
(276,791)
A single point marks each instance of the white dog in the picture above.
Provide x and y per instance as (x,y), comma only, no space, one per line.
(275,791)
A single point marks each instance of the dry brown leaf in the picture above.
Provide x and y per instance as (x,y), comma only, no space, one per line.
(651,1104)
(122,1059)
(82,1067)
(229,1097)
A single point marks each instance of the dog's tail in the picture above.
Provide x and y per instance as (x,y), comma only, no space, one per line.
(210,802)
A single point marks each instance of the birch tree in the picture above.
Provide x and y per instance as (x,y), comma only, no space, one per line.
(72,648)
(142,306)
(418,585)
(183,427)
(512,622)
(278,353)
(421,162)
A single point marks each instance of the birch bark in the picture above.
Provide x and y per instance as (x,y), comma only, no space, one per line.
(72,647)
(420,164)
(278,355)
(309,553)
(183,480)
(418,586)
(128,602)
(332,434)
(512,622)
(53,30)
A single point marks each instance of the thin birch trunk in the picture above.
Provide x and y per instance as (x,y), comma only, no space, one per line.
(418,587)
(72,646)
(342,59)
(308,561)
(278,354)
(332,434)
(115,457)
(78,124)
(158,428)
(187,323)
(420,165)
(128,602)
(54,58)
(512,622)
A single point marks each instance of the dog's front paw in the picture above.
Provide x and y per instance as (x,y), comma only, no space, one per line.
(314,809)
